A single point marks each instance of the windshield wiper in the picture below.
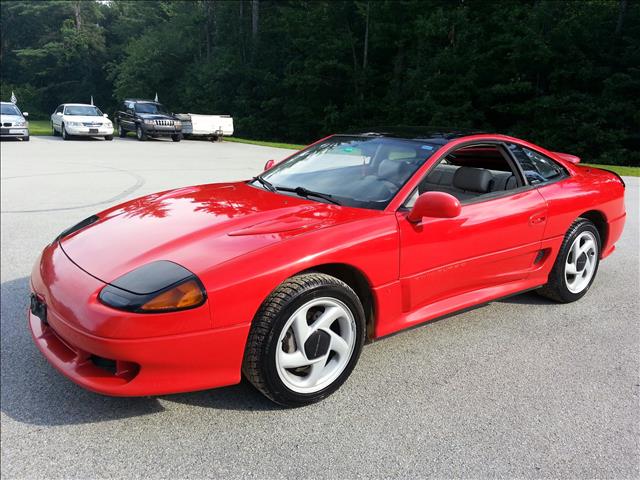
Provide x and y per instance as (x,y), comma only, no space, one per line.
(265,183)
(303,192)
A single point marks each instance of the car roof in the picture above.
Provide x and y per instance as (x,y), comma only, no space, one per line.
(139,100)
(425,134)
(77,105)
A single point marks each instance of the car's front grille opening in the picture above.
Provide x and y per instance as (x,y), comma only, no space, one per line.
(119,368)
(105,364)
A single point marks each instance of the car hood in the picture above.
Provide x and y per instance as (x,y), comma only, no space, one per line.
(84,118)
(197,227)
(11,118)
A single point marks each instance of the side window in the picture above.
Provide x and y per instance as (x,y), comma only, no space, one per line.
(537,168)
(59,109)
(471,173)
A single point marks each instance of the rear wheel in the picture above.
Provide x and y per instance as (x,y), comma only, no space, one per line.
(576,265)
(108,137)
(54,132)
(305,340)
(121,131)
(26,139)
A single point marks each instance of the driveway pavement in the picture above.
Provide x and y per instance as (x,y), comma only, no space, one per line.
(518,388)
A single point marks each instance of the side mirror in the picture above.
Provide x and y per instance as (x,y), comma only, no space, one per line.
(105,115)
(269,164)
(58,113)
(436,205)
(25,114)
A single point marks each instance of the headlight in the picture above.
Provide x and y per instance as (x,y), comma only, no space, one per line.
(74,124)
(20,123)
(157,287)
(177,123)
(107,124)
(149,122)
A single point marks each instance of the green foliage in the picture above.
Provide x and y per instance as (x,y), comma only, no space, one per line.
(562,73)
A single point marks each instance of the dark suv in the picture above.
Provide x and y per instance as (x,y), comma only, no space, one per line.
(148,119)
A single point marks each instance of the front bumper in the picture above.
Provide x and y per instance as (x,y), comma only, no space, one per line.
(156,131)
(126,354)
(89,131)
(14,132)
(151,366)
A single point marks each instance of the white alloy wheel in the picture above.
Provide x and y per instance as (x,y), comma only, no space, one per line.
(581,261)
(315,345)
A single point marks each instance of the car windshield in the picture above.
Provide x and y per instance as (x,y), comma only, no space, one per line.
(357,171)
(84,110)
(151,108)
(8,109)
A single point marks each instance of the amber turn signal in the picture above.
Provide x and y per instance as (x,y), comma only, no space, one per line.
(188,294)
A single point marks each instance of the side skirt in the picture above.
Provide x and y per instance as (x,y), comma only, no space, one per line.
(454,305)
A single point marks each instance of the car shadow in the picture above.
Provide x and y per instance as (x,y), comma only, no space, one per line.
(34,392)
(527,298)
(51,138)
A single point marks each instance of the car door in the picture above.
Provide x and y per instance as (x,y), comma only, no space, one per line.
(56,119)
(127,116)
(494,241)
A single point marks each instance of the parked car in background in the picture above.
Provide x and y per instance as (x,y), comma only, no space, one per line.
(213,127)
(13,122)
(80,120)
(147,119)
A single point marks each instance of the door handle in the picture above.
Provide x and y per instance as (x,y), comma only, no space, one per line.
(537,219)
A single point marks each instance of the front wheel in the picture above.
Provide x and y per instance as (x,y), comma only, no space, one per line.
(65,135)
(121,131)
(576,265)
(176,138)
(305,340)
(140,135)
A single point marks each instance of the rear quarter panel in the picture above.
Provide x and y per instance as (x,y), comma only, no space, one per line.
(588,189)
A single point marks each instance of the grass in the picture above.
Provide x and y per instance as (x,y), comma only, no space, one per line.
(43,127)
(620,170)
(291,146)
(39,127)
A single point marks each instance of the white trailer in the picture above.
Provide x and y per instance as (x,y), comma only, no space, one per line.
(212,126)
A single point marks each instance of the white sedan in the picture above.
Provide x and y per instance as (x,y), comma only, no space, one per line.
(79,119)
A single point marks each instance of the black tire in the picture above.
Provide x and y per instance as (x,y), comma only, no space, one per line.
(121,131)
(556,288)
(140,134)
(176,138)
(26,139)
(53,131)
(64,134)
(259,365)
(108,137)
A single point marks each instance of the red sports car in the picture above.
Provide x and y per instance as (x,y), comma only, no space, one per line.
(284,277)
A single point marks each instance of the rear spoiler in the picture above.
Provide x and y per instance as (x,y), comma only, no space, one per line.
(569,158)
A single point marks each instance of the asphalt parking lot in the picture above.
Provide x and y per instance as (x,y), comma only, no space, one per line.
(518,388)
